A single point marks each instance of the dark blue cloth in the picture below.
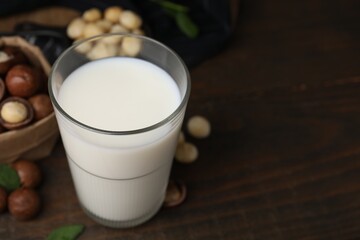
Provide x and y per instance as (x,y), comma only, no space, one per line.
(211,16)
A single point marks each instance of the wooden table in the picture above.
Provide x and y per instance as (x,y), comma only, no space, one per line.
(283,159)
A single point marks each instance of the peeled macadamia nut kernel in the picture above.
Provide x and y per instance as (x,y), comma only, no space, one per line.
(199,127)
(3,200)
(104,24)
(91,29)
(13,112)
(130,20)
(92,15)
(113,20)
(75,29)
(113,13)
(4,57)
(102,50)
(22,81)
(84,47)
(118,29)
(131,46)
(186,152)
(24,204)
(42,106)
(138,32)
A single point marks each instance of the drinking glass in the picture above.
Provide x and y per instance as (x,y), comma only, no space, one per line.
(120,177)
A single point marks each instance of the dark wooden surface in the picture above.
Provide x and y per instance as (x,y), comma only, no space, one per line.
(283,160)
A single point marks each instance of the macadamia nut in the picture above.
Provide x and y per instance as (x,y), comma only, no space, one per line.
(102,50)
(118,29)
(24,203)
(131,46)
(91,29)
(175,193)
(114,19)
(76,28)
(186,152)
(199,127)
(92,15)
(130,20)
(115,39)
(13,112)
(4,56)
(28,172)
(41,105)
(138,31)
(104,24)
(84,47)
(113,13)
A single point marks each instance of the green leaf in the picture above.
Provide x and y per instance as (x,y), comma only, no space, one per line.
(179,13)
(68,232)
(171,6)
(186,25)
(9,179)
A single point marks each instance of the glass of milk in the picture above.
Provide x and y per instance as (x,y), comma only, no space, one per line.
(119,100)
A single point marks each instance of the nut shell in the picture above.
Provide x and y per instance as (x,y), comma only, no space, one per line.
(42,106)
(29,116)
(24,204)
(29,173)
(22,81)
(14,56)
(175,193)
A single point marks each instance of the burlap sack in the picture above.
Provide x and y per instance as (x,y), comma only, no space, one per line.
(37,140)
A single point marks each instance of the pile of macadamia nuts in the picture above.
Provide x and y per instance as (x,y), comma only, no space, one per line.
(24,202)
(23,91)
(198,127)
(113,19)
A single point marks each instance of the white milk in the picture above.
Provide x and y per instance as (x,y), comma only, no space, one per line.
(120,178)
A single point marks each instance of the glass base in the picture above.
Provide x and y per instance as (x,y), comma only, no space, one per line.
(122,224)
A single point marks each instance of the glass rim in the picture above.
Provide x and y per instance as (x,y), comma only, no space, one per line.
(123,132)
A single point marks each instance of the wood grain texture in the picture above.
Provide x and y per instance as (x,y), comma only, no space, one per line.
(283,158)
(54,16)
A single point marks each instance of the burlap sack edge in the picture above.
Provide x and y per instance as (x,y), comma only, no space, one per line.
(38,139)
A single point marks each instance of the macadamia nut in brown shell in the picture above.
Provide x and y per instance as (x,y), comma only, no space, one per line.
(10,56)
(22,81)
(29,173)
(42,106)
(24,204)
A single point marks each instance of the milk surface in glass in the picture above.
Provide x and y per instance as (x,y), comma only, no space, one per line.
(119,178)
